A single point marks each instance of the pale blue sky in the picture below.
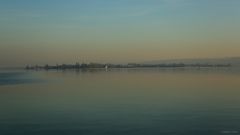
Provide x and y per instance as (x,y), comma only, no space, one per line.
(57,31)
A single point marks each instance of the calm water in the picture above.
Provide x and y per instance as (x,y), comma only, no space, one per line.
(120,102)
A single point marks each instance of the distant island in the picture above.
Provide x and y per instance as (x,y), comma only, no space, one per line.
(129,65)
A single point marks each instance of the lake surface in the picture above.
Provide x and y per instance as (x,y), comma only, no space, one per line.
(204,101)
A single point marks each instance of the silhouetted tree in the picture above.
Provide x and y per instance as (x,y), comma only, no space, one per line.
(46,67)
(77,65)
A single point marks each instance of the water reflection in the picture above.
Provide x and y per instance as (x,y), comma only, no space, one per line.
(124,101)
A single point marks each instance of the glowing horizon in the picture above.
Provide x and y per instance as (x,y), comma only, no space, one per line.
(61,31)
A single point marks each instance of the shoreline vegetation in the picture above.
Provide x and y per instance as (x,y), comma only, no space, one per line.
(129,65)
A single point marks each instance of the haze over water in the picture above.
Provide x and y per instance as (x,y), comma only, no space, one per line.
(156,101)
(127,100)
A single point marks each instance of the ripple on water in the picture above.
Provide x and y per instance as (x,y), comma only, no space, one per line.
(13,78)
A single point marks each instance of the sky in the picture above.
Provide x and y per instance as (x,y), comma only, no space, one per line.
(116,31)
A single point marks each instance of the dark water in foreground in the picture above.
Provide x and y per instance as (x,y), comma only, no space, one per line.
(120,102)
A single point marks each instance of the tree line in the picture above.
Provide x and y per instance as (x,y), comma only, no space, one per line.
(129,65)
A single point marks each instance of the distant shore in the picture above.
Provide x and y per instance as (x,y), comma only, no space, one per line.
(130,65)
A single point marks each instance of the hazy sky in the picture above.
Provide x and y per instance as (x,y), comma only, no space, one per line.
(66,31)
